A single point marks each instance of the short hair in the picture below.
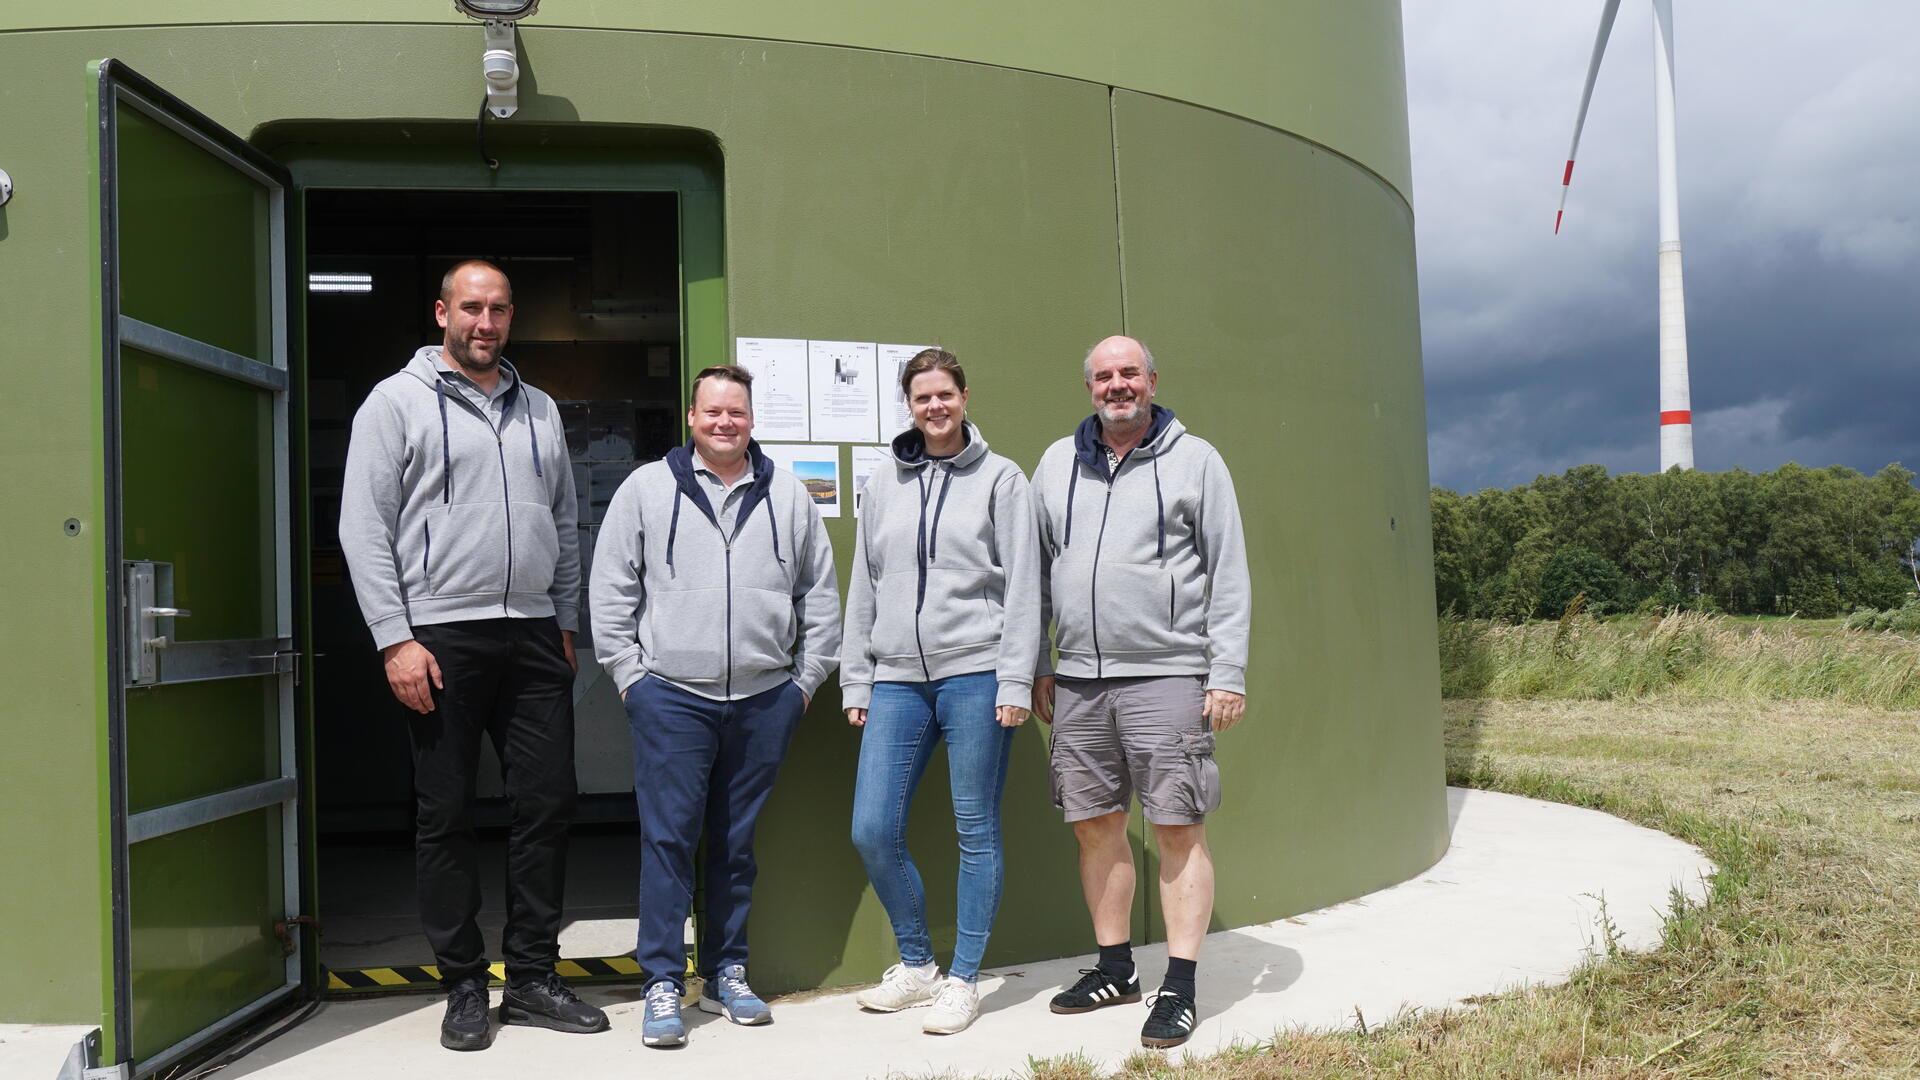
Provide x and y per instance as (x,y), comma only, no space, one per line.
(926,360)
(732,373)
(446,279)
(1086,365)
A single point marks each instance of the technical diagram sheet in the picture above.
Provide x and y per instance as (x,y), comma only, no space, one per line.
(844,390)
(779,367)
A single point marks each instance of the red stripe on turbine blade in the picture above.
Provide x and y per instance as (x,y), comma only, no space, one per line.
(1556,221)
(1568,178)
(1676,416)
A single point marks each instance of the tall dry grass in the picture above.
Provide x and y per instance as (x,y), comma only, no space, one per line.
(1680,655)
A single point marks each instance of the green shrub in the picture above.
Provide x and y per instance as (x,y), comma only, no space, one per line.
(1578,571)
(1880,585)
(1813,596)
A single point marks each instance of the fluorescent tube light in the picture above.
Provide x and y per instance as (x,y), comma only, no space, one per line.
(340,283)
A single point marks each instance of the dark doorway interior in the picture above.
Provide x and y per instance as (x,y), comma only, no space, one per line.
(597,325)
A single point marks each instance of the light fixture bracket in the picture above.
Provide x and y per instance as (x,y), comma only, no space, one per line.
(500,67)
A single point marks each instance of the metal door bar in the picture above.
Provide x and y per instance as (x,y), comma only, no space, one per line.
(179,817)
(236,658)
(164,342)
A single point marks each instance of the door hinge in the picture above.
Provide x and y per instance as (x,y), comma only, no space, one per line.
(283,929)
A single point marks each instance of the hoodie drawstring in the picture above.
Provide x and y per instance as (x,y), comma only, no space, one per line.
(533,439)
(673,528)
(1073,481)
(1160,507)
(773,524)
(933,541)
(446,451)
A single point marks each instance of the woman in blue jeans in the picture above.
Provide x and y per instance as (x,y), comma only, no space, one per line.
(942,628)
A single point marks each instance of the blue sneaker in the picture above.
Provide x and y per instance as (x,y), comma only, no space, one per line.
(663,1026)
(728,994)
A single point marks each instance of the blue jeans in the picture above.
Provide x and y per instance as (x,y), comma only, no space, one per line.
(701,766)
(904,723)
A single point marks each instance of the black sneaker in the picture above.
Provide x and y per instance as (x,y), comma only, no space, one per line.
(1171,1021)
(550,1003)
(1096,990)
(465,1025)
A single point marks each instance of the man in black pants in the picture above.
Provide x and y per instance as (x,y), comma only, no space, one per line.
(458,523)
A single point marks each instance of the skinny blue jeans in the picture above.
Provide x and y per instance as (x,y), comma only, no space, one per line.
(904,723)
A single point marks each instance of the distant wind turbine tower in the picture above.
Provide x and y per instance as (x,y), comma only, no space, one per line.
(1676,410)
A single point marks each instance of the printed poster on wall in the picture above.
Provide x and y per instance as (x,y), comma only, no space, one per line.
(779,367)
(817,467)
(867,460)
(896,417)
(844,391)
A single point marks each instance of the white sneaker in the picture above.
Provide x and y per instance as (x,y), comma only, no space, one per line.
(955,1005)
(902,987)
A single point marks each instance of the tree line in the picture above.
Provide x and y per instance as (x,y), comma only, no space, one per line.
(1812,542)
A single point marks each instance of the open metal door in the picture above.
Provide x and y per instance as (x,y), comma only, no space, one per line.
(202,669)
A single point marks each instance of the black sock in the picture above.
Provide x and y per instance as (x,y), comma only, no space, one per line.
(1117,960)
(1180,973)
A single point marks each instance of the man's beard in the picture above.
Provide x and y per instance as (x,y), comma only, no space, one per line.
(462,355)
(1109,416)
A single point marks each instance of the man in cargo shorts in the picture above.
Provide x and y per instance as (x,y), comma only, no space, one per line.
(1144,567)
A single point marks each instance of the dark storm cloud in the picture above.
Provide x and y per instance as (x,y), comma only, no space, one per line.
(1798,162)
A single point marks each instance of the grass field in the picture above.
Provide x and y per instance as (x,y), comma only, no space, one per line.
(1804,959)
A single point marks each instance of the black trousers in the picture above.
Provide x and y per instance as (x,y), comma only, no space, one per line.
(508,679)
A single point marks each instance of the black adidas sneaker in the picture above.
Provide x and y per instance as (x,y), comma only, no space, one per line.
(1171,1021)
(1096,990)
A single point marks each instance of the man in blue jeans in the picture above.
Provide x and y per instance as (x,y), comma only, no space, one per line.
(715,608)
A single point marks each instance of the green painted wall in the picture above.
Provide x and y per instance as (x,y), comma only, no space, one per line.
(1275,283)
(1328,70)
(884,197)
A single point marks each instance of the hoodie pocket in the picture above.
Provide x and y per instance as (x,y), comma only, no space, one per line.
(763,626)
(893,627)
(465,549)
(957,614)
(536,547)
(1138,610)
(686,634)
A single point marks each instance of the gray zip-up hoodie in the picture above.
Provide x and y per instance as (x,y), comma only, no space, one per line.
(449,516)
(946,574)
(727,615)
(1145,570)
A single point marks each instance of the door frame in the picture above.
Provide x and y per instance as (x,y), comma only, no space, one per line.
(440,156)
(115,84)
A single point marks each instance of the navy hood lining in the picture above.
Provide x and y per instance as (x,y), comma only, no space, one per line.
(680,462)
(1091,450)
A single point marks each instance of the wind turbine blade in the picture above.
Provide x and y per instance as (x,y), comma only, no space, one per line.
(1607,12)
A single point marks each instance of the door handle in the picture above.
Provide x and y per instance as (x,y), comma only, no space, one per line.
(167,612)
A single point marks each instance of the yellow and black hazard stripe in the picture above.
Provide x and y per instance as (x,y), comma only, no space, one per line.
(356,982)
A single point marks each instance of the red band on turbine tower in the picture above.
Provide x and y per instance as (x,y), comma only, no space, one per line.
(1676,416)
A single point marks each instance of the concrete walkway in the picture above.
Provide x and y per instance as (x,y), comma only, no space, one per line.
(1516,900)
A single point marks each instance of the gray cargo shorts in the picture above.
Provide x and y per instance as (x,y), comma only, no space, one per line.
(1115,737)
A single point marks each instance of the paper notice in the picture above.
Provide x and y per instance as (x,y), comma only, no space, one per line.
(818,468)
(844,389)
(779,367)
(867,460)
(895,418)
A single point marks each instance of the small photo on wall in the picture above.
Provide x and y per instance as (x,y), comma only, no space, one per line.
(818,469)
